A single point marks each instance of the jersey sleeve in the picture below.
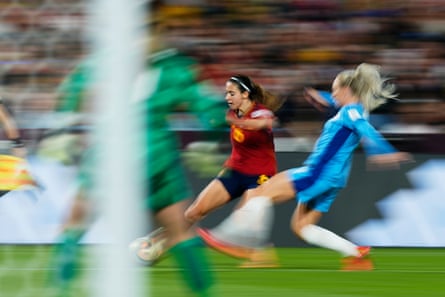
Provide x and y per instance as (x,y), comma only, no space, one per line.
(372,141)
(331,105)
(200,97)
(262,113)
(209,107)
(72,89)
(327,97)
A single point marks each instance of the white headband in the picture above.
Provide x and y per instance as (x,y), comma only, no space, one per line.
(241,83)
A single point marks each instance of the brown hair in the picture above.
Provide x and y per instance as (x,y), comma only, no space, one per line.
(256,92)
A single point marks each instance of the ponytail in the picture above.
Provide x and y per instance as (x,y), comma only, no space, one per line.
(257,93)
(368,85)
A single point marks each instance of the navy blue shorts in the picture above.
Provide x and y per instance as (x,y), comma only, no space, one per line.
(237,183)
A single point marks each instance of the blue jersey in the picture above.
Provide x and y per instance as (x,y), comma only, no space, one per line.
(331,159)
(327,97)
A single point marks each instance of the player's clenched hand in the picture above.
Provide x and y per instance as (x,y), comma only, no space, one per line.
(313,97)
(392,160)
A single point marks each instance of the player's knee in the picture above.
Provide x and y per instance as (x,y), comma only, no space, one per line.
(188,215)
(250,193)
(193,215)
(296,227)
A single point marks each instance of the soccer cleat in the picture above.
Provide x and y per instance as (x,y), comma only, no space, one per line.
(358,263)
(255,258)
(222,247)
(364,251)
(262,258)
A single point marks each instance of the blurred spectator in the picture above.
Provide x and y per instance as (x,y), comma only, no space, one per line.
(285,44)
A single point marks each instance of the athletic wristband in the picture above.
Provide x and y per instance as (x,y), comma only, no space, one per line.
(17,143)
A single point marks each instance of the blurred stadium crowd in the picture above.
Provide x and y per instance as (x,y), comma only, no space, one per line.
(285,45)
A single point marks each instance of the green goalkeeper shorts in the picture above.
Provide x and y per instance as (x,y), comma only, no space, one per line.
(168,187)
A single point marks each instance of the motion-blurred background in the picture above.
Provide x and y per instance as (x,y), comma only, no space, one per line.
(285,46)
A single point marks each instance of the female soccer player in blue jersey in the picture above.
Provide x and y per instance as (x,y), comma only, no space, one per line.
(316,184)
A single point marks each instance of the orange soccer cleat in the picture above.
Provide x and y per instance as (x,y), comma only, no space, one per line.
(223,247)
(262,258)
(256,258)
(359,263)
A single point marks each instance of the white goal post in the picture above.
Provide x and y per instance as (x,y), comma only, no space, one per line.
(116,29)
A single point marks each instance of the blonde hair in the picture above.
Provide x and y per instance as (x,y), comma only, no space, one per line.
(368,85)
(257,93)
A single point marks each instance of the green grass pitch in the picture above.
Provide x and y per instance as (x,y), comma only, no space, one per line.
(307,272)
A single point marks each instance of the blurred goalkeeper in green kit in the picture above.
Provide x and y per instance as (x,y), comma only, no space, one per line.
(176,86)
(169,83)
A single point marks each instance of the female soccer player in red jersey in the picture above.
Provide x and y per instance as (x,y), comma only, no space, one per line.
(252,160)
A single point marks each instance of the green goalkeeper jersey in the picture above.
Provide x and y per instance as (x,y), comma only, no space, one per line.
(171,84)
(73,89)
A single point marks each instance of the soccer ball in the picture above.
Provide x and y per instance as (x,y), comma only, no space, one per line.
(148,249)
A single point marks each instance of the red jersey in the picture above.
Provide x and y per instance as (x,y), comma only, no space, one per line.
(253,151)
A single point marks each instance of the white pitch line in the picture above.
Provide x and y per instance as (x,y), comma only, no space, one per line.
(165,269)
(171,269)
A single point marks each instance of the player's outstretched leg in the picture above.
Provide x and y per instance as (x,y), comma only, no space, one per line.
(219,245)
(258,257)
(65,259)
(354,257)
(191,257)
(245,234)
